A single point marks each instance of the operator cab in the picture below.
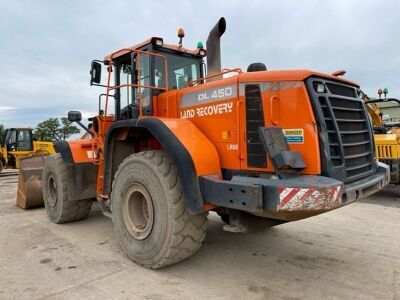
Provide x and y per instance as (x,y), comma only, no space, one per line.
(18,139)
(140,73)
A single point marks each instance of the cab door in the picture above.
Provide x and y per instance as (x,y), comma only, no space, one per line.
(11,140)
(24,140)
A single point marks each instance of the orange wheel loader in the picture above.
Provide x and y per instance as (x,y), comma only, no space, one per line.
(172,142)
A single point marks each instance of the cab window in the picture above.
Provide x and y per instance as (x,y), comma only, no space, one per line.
(145,93)
(181,70)
(12,137)
(125,77)
(24,140)
(11,140)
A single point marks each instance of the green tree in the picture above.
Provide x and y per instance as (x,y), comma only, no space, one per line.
(67,128)
(51,130)
(47,130)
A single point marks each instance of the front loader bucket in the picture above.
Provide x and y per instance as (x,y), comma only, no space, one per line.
(29,192)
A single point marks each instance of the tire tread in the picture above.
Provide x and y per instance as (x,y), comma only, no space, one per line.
(71,210)
(189,231)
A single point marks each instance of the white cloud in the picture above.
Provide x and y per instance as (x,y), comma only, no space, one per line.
(6,108)
(47,46)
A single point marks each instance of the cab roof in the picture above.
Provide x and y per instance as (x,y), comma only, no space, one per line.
(152,40)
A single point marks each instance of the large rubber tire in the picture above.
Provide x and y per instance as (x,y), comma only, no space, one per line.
(55,193)
(169,233)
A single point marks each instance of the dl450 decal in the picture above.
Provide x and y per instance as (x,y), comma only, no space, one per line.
(208,96)
(215,94)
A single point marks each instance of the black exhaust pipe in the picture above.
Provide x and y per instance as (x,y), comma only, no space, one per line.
(214,48)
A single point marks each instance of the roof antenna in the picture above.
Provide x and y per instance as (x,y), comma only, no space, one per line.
(181,35)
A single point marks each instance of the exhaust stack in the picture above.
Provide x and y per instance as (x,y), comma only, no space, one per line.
(214,49)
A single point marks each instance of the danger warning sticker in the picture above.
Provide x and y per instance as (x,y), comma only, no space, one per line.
(294,136)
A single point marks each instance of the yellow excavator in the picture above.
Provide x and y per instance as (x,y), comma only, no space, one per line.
(17,143)
(386,135)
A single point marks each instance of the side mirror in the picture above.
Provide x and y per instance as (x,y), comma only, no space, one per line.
(74,116)
(95,73)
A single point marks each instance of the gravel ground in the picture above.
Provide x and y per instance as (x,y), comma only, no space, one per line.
(350,253)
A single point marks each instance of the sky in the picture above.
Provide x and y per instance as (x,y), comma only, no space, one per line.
(46,46)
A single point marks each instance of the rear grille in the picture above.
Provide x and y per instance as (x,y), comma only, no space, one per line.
(256,156)
(344,130)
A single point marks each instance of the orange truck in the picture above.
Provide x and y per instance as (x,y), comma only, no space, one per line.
(172,142)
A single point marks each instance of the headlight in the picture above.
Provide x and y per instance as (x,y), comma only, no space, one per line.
(157,42)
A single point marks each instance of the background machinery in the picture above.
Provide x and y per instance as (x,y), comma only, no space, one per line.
(171,143)
(386,135)
(15,145)
(18,143)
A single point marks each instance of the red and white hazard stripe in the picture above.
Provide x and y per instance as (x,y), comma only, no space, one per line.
(309,198)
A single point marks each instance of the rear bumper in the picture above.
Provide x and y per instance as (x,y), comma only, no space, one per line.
(290,199)
(370,185)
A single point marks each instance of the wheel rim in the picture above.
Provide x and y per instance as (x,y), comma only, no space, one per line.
(51,191)
(137,211)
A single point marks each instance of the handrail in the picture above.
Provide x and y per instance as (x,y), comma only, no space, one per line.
(383,100)
(224,71)
(139,86)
